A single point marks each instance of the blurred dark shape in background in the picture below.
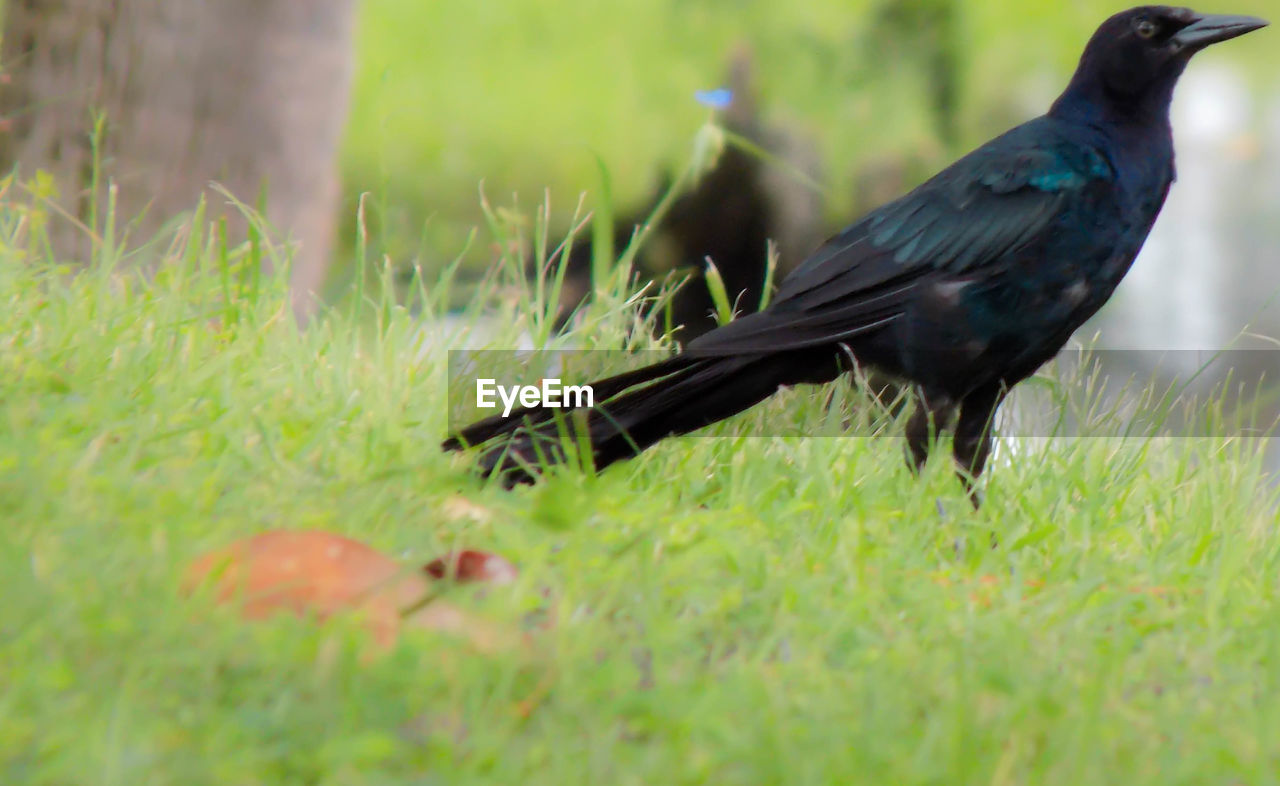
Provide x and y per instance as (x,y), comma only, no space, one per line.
(729,216)
(251,94)
(921,34)
(742,203)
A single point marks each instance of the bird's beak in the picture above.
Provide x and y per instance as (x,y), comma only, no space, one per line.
(1214,28)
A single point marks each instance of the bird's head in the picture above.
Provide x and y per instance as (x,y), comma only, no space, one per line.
(1134,59)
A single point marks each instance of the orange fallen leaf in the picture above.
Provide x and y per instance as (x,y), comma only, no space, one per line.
(320,573)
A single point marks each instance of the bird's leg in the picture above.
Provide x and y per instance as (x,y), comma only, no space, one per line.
(972,442)
(933,413)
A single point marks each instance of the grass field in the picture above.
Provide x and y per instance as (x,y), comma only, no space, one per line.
(725,610)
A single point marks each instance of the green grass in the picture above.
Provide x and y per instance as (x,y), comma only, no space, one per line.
(727,610)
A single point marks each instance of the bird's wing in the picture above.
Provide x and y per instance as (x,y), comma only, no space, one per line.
(979,210)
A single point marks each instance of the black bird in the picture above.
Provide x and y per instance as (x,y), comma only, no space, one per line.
(963,287)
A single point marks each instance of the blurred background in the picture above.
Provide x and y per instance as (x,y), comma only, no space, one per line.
(873,96)
(302,108)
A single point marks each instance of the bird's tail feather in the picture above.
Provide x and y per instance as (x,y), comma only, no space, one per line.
(634,410)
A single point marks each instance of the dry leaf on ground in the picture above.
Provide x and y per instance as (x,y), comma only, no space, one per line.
(321,573)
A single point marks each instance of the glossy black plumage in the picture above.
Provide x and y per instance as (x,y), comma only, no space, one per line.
(963,287)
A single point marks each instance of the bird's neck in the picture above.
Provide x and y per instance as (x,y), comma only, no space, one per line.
(1089,101)
(1136,137)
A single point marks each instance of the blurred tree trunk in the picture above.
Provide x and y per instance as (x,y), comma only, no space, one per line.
(251,94)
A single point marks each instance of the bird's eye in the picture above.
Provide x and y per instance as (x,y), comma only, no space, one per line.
(1146,28)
